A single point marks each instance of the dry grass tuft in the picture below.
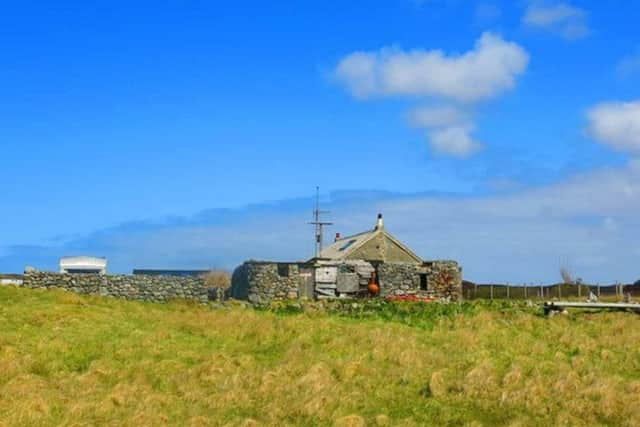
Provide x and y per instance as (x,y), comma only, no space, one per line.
(350,421)
(437,385)
(220,280)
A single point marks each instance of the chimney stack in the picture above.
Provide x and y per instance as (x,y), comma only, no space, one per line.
(379,223)
(337,237)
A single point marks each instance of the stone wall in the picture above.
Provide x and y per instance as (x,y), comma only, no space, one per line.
(441,279)
(399,279)
(263,282)
(138,287)
(445,278)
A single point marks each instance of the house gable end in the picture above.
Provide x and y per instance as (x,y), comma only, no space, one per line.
(397,252)
(371,250)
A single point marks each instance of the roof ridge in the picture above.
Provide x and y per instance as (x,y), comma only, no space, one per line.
(354,235)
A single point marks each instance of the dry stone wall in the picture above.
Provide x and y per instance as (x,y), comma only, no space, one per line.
(263,282)
(445,278)
(399,279)
(441,279)
(133,287)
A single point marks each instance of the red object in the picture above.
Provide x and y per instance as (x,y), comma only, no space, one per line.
(373,287)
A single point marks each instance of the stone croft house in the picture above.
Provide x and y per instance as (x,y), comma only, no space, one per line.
(345,268)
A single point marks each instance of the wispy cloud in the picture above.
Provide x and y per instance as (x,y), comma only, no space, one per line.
(616,124)
(482,73)
(563,19)
(517,237)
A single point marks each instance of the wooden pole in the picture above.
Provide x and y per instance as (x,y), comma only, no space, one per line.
(492,291)
(619,289)
(508,291)
(525,291)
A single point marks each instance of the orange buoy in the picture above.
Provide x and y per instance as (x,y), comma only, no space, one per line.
(373,287)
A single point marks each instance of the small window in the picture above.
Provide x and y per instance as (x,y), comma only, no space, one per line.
(349,243)
(283,270)
(423,282)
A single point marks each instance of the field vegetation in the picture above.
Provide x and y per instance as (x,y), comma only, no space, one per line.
(74,360)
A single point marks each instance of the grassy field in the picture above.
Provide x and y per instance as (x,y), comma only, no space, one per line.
(77,360)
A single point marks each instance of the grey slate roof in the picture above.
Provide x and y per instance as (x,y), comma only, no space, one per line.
(342,248)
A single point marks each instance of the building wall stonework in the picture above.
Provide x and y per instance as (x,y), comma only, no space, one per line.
(399,279)
(263,282)
(139,287)
(441,279)
(445,278)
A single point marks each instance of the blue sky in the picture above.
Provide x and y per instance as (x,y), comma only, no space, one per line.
(192,134)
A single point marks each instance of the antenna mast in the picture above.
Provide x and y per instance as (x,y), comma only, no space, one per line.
(319,224)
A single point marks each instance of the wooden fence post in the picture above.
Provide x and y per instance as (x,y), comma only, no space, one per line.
(491,290)
(525,291)
(508,291)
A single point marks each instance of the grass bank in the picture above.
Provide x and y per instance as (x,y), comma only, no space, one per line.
(80,360)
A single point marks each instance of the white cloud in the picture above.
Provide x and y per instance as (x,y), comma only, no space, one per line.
(616,124)
(448,130)
(560,18)
(455,141)
(440,116)
(490,68)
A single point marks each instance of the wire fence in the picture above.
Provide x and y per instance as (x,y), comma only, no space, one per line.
(616,292)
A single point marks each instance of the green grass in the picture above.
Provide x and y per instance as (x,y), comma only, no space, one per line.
(77,360)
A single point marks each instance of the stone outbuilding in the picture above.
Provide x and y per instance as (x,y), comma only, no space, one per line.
(346,267)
